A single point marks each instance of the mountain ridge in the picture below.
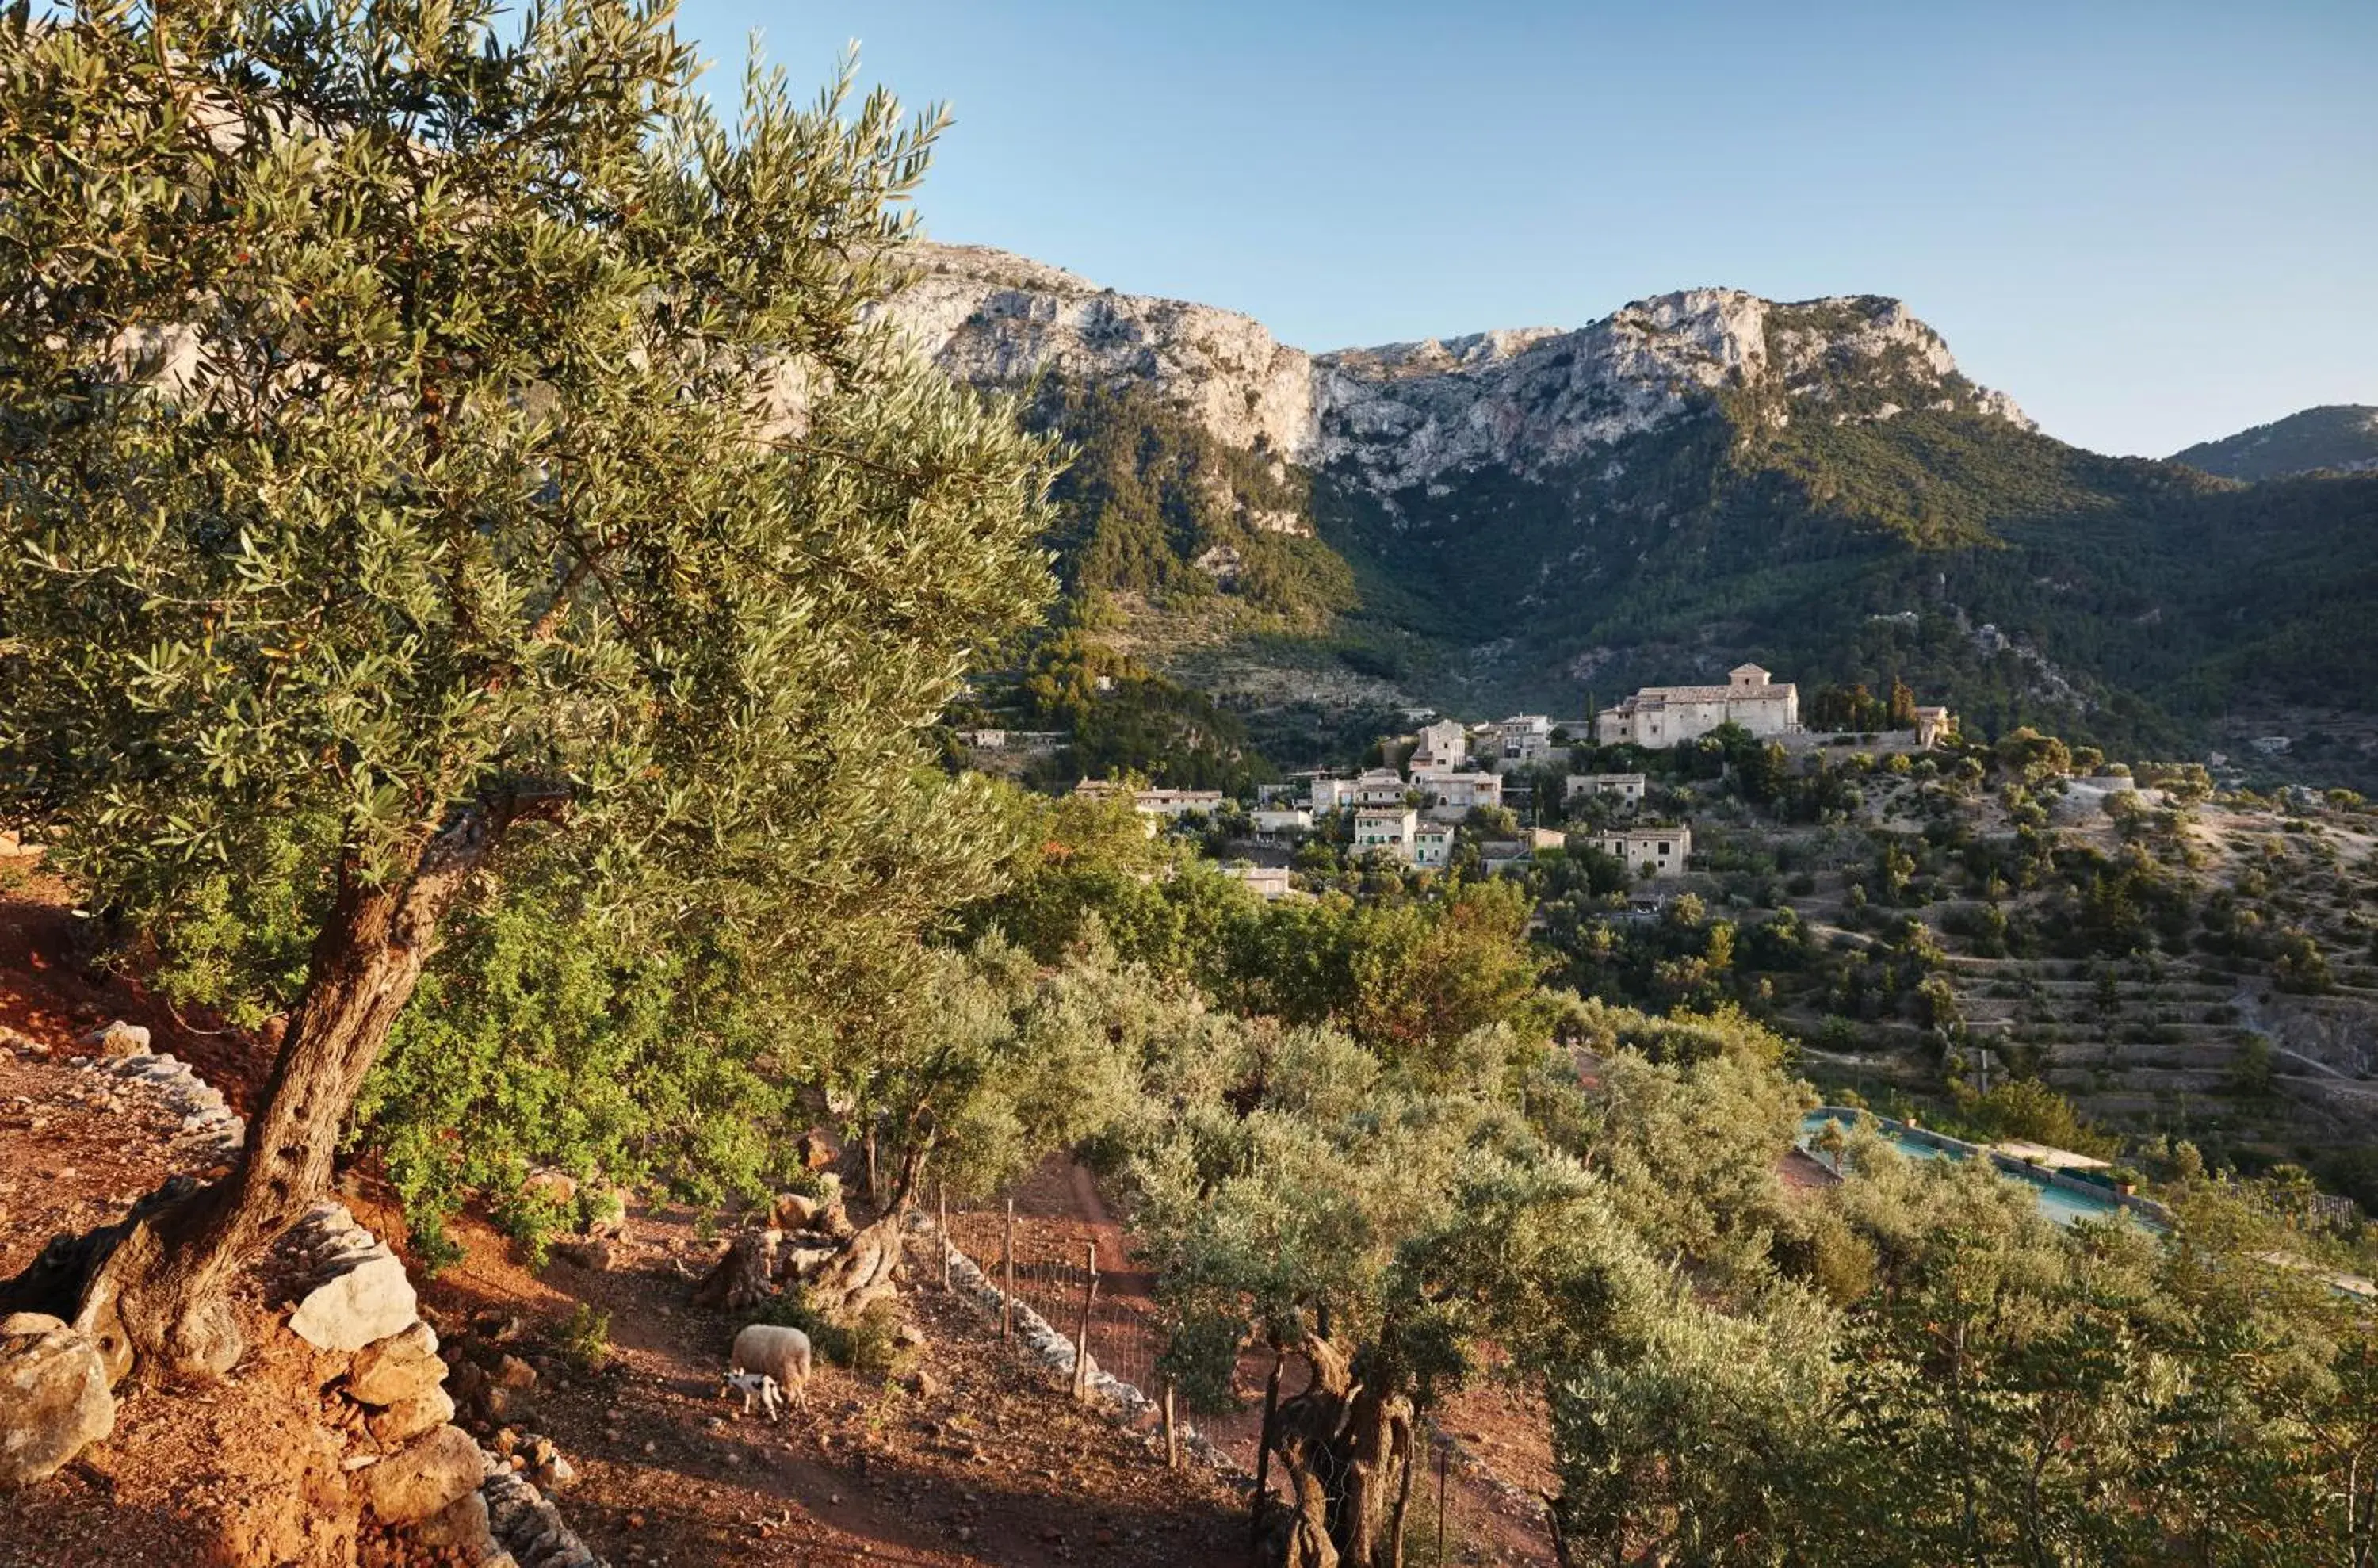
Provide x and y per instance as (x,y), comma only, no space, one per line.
(2339,438)
(1499,520)
(1402,413)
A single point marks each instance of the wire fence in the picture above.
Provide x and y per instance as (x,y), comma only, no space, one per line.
(1069,1272)
(1060,1275)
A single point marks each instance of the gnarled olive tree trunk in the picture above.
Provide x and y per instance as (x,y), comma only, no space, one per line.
(154,1292)
(1345,1442)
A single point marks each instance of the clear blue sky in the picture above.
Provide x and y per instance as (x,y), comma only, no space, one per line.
(2150,223)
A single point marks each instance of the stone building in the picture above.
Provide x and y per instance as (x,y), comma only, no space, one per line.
(1625,787)
(1442,744)
(1659,717)
(1451,796)
(1653,850)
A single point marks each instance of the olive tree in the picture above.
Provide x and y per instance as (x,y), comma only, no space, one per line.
(453,433)
(1294,1193)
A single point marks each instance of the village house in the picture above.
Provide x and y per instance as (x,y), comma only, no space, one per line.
(1326,793)
(1452,796)
(1525,738)
(1625,787)
(1269,882)
(1934,725)
(1175,804)
(1649,850)
(1274,821)
(1379,828)
(1380,787)
(1432,844)
(1499,855)
(1442,744)
(1660,717)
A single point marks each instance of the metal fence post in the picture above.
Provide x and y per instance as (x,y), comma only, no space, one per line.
(1171,1435)
(1082,1340)
(1007,1275)
(1440,1507)
(941,1191)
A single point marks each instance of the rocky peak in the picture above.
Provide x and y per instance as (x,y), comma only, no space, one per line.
(993,319)
(1402,414)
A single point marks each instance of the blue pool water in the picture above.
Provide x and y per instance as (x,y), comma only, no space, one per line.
(2061,1204)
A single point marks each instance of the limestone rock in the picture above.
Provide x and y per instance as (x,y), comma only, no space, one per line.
(370,1300)
(510,1371)
(1403,414)
(119,1039)
(423,1479)
(793,1210)
(410,1417)
(556,1188)
(403,1366)
(595,1254)
(53,1397)
(462,1523)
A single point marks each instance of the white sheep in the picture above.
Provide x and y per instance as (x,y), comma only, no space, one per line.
(781,1353)
(755,1385)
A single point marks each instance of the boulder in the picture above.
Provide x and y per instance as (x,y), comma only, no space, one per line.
(427,1478)
(409,1418)
(602,1210)
(793,1210)
(510,1371)
(119,1039)
(53,1397)
(595,1254)
(401,1366)
(371,1301)
(815,1150)
(462,1524)
(558,1188)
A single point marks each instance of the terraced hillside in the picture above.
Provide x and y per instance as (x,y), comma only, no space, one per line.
(2172,961)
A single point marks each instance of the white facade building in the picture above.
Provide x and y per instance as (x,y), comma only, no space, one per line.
(1380,787)
(1376,828)
(1175,804)
(1660,717)
(1329,794)
(1283,820)
(1432,844)
(1458,793)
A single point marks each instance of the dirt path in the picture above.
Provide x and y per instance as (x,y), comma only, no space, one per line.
(1496,1426)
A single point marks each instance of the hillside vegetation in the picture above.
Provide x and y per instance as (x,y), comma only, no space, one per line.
(2339,436)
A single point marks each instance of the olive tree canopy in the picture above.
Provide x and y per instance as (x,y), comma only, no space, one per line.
(431,426)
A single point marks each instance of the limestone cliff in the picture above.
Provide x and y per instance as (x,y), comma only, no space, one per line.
(1403,414)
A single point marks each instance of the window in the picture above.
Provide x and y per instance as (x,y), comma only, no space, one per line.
(1663,847)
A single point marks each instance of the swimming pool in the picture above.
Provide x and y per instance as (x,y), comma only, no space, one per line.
(2064,1201)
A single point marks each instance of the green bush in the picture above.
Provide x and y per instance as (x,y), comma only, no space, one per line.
(864,1344)
(584,1338)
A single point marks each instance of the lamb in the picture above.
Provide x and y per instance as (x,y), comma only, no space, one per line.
(758,1385)
(780,1352)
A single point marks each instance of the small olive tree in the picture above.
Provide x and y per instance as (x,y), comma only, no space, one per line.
(433,430)
(1294,1193)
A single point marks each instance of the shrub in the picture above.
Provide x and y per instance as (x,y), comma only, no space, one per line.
(864,1344)
(532,1217)
(585,1338)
